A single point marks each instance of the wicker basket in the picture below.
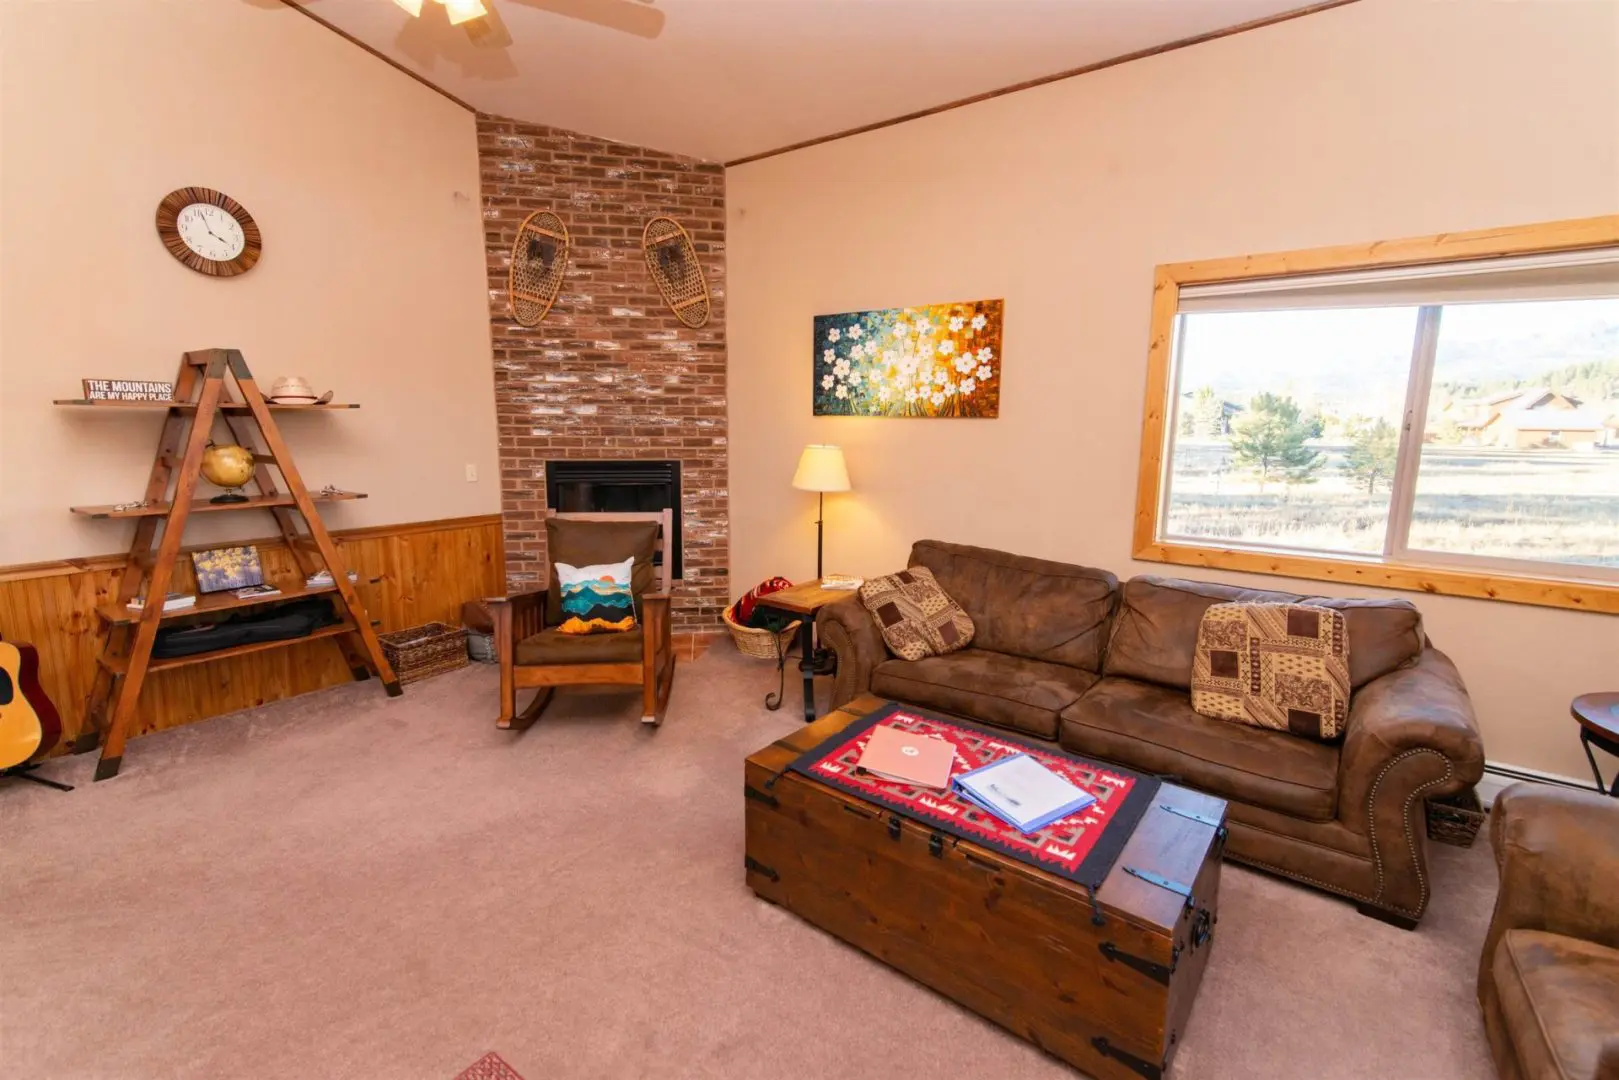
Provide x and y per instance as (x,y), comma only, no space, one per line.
(761,644)
(424,651)
(1455,819)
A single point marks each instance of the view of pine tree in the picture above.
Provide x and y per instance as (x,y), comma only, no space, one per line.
(1208,413)
(1373,451)
(1269,439)
(1591,380)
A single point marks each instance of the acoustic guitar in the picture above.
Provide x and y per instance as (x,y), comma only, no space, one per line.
(29,724)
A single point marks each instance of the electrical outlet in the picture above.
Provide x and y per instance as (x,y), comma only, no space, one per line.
(472,474)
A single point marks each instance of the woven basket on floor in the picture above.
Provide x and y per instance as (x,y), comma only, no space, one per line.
(423,651)
(1455,819)
(762,644)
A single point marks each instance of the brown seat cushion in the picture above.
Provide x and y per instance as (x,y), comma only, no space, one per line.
(1044,610)
(1010,691)
(1154,729)
(554,647)
(584,543)
(1155,631)
(1559,996)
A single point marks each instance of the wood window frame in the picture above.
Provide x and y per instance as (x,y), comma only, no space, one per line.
(1560,590)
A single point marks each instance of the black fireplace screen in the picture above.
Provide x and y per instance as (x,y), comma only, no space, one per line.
(617,487)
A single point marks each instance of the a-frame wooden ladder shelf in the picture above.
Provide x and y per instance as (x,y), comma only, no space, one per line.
(213,384)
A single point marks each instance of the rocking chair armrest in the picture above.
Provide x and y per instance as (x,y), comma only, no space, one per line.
(516,617)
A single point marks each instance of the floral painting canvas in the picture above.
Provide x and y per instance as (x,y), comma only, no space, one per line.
(943,360)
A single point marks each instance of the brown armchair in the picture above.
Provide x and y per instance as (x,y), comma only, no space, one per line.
(1548,980)
(533,654)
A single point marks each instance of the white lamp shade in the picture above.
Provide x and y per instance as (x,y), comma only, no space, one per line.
(461,11)
(821,468)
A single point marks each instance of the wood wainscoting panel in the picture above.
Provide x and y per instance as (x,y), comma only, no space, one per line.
(425,571)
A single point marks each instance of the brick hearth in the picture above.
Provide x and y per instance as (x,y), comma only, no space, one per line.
(610,372)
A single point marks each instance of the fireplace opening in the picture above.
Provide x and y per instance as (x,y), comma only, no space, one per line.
(617,487)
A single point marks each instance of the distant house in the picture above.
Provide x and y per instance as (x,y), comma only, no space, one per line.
(1528,419)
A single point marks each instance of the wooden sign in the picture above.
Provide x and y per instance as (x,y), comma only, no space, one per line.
(127,390)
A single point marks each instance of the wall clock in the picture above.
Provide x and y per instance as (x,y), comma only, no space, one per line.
(209,231)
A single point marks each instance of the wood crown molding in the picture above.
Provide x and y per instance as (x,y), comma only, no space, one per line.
(1029,84)
(93,563)
(1564,592)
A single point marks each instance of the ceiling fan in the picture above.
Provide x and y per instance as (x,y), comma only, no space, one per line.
(483,25)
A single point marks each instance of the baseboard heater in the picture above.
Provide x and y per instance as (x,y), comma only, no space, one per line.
(1498,776)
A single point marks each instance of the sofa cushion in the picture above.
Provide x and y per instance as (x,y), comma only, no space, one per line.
(554,647)
(1010,691)
(1051,611)
(1279,666)
(1155,631)
(1557,995)
(1154,729)
(916,617)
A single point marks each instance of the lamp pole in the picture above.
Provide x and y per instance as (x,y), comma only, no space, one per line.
(820,518)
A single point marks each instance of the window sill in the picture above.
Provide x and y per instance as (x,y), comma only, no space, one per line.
(1572,594)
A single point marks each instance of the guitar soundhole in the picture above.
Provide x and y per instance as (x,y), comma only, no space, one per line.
(6,693)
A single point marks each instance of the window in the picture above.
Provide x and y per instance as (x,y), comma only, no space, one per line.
(1439,414)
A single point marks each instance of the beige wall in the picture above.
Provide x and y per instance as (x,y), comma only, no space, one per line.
(1382,119)
(365,184)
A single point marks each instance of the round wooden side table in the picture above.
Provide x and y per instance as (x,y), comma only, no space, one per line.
(1598,715)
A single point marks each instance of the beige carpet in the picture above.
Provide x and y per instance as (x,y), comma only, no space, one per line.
(345,885)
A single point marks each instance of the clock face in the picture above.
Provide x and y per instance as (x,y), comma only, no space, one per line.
(211,232)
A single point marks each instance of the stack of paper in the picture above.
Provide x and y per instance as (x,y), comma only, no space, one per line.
(171,602)
(1022,792)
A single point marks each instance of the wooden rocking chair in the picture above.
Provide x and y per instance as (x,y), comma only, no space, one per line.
(533,654)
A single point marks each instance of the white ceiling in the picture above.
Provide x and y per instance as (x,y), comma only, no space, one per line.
(725,79)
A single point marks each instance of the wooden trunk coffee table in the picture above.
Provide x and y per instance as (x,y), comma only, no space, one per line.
(1107,988)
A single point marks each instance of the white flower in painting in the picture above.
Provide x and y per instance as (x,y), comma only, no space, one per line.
(841,368)
(907,365)
(925,349)
(884,393)
(911,395)
(833,334)
(890,357)
(937,398)
(871,348)
(940,377)
(985,372)
(979,322)
(923,326)
(948,389)
(956,323)
(841,392)
(854,378)
(946,347)
(902,329)
(855,332)
(968,386)
(986,354)
(965,363)
(826,382)
(827,356)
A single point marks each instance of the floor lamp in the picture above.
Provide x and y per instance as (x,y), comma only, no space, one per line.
(821,469)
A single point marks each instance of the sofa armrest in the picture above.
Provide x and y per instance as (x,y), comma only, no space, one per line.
(847,628)
(1411,736)
(1558,852)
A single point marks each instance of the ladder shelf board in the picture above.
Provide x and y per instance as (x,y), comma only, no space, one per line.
(213,603)
(189,406)
(203,506)
(118,665)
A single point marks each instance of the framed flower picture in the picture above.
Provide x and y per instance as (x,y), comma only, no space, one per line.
(943,360)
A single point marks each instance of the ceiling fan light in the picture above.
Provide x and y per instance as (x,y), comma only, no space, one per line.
(461,11)
(413,7)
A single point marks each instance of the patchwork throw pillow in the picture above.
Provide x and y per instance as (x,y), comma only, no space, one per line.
(917,618)
(596,599)
(1279,666)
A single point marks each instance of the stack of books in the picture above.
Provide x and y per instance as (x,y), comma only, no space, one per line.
(322,578)
(172,602)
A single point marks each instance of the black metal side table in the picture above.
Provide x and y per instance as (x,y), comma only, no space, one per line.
(1598,715)
(802,602)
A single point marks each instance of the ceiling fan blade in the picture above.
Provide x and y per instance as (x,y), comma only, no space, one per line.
(488,32)
(630,16)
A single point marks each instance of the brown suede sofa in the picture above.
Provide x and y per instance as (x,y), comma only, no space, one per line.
(1066,653)
(1548,979)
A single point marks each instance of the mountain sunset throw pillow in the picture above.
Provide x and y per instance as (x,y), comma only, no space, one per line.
(597,599)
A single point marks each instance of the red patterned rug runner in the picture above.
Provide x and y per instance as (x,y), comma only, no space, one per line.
(489,1067)
(1081,847)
